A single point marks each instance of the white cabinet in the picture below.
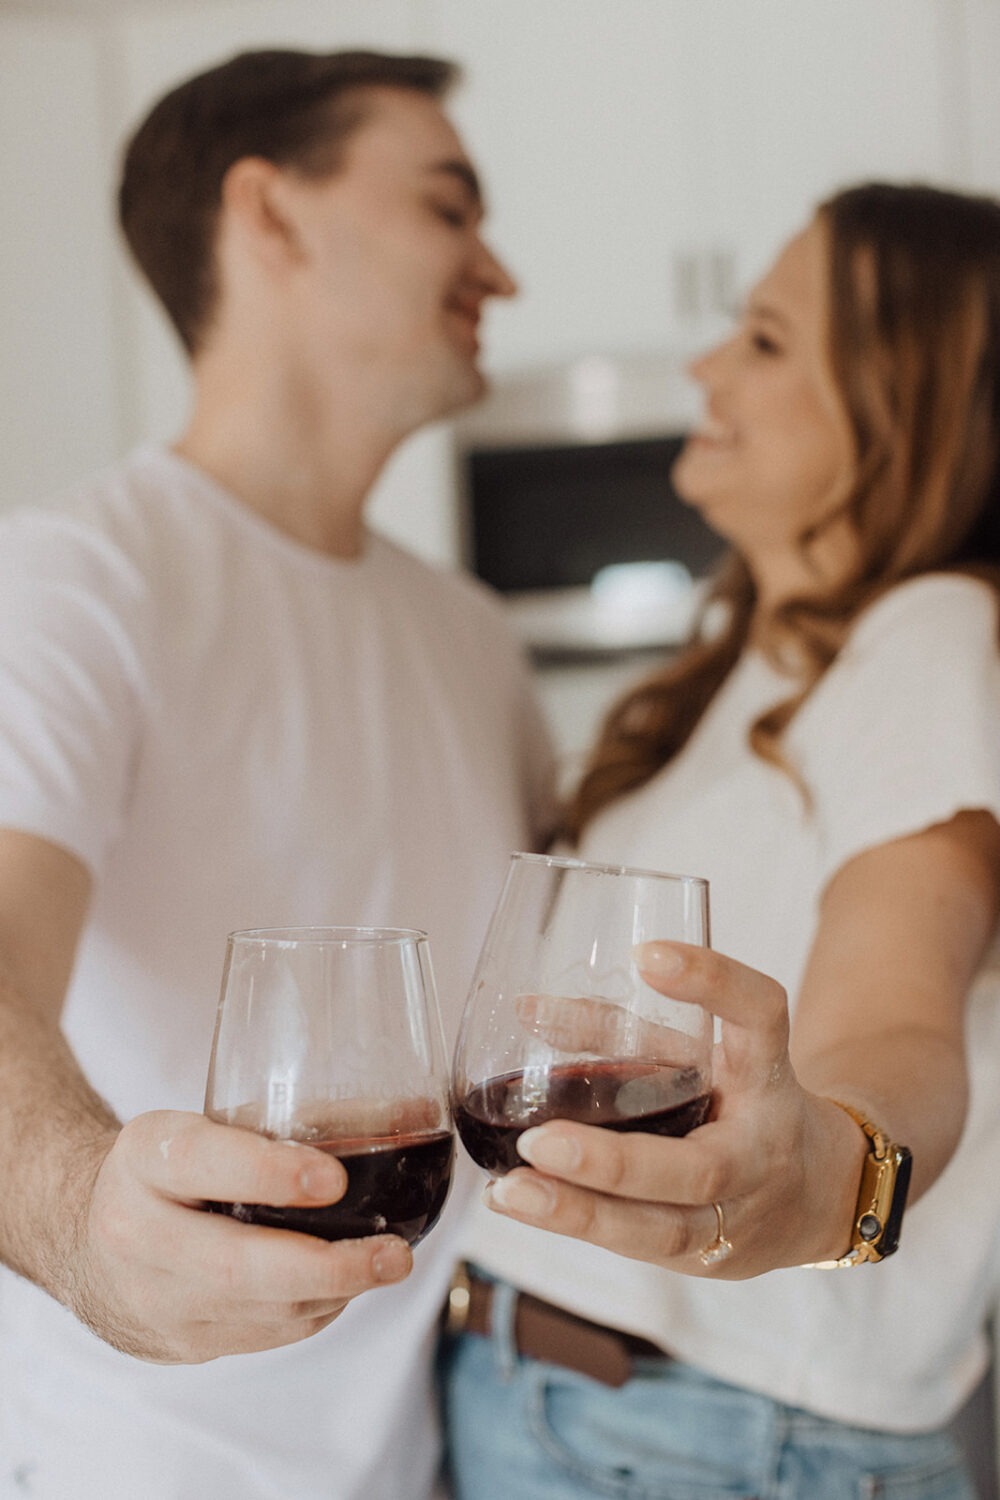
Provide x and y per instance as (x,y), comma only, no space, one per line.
(622,139)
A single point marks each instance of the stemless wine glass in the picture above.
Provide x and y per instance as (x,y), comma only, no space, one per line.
(559,1022)
(332,1036)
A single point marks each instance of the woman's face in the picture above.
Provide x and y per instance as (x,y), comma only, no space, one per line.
(774,451)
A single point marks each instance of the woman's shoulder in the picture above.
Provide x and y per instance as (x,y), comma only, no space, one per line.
(927,650)
(930,607)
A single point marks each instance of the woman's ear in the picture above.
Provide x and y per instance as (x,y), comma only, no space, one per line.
(257,208)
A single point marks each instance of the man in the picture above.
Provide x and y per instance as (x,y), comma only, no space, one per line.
(224,703)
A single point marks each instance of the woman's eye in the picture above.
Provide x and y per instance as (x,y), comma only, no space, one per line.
(452,215)
(763,343)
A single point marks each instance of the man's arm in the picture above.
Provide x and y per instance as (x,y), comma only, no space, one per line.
(107,1218)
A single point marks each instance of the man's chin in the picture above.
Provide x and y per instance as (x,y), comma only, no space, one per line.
(434,397)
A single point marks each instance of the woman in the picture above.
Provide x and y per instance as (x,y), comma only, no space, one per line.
(828,754)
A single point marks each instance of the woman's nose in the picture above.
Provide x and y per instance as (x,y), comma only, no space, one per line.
(709,365)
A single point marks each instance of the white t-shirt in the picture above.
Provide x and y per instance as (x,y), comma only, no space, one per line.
(231,730)
(902,732)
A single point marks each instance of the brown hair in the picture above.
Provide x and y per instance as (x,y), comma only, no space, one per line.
(914,347)
(295,108)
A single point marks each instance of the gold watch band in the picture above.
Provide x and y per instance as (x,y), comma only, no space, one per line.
(885,1178)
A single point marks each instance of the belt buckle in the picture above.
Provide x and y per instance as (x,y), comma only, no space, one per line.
(456,1314)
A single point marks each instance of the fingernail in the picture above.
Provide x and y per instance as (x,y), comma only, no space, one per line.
(658,958)
(323,1183)
(392,1261)
(524,1195)
(549,1149)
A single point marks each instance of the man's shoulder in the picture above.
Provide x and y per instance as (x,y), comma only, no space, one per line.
(108,535)
(93,502)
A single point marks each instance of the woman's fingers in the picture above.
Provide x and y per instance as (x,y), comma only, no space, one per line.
(752,1007)
(633,1165)
(655,1198)
(605,1029)
(729,989)
(725,1158)
(653,1232)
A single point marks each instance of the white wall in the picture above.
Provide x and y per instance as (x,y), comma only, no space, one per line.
(59,377)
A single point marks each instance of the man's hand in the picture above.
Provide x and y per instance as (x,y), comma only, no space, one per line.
(156,1276)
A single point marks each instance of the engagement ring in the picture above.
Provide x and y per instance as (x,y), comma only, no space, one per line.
(720,1248)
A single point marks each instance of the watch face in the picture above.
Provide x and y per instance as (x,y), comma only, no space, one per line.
(894,1219)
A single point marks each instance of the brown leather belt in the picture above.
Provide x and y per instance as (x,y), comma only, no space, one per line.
(542,1331)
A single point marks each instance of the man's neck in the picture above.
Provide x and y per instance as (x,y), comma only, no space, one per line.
(308,473)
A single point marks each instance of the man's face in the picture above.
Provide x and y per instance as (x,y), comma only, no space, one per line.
(394,271)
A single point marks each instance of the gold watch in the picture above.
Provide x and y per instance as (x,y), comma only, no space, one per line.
(878,1214)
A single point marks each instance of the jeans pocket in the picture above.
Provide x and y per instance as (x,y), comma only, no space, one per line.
(939,1476)
(642,1442)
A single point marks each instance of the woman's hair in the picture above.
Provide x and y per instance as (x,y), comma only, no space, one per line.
(914,348)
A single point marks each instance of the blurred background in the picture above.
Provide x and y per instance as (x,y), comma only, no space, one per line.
(644,159)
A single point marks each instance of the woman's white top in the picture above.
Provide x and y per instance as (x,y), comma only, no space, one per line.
(901,733)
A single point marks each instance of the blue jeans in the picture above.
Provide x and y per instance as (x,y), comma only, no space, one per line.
(519,1429)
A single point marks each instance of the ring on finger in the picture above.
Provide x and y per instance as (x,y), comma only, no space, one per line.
(720,1249)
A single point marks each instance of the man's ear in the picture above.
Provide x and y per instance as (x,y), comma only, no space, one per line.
(256,207)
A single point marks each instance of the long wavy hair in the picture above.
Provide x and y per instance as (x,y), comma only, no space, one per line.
(914,347)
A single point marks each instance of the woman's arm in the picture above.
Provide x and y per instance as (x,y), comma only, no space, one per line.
(879,1026)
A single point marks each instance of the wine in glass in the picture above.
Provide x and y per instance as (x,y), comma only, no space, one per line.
(332,1036)
(559,1022)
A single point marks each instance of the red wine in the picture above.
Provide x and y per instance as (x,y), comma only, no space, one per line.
(619,1095)
(393,1187)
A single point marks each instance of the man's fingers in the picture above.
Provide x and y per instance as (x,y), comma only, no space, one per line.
(250,1263)
(192,1158)
(266,1265)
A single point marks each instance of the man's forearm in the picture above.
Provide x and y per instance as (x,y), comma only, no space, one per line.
(54,1133)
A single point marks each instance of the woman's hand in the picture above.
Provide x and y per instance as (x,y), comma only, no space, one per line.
(782,1164)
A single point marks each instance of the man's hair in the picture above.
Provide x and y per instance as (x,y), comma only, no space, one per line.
(292,108)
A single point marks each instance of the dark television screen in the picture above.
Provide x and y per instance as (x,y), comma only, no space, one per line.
(552,517)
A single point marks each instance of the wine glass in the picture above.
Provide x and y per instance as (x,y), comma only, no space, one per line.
(332,1036)
(559,1022)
